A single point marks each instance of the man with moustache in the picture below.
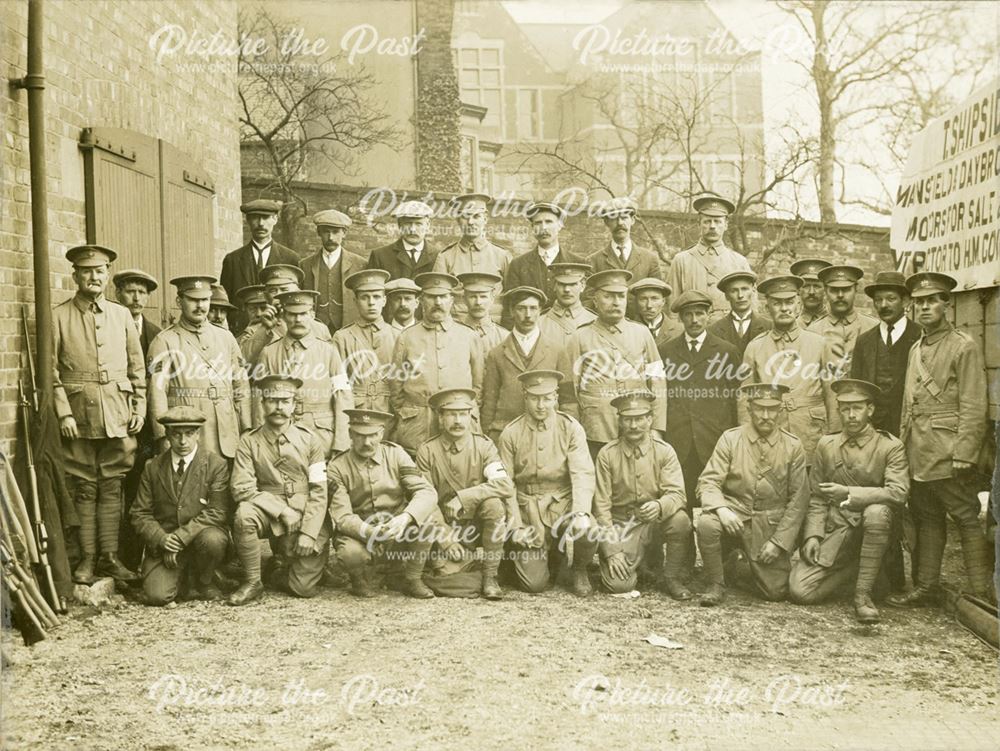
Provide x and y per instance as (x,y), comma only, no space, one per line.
(327,270)
(132,289)
(842,325)
(402,300)
(618,216)
(567,313)
(365,346)
(754,493)
(743,323)
(99,394)
(812,295)
(220,307)
(648,299)
(410,255)
(478,289)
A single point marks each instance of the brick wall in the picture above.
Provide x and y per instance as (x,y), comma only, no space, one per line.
(101,71)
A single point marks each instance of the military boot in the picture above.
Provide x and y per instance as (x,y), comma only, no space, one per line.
(84,571)
(85,500)
(865,610)
(712,596)
(920,595)
(415,587)
(676,562)
(109,565)
(581,582)
(361,585)
(491,589)
(247,592)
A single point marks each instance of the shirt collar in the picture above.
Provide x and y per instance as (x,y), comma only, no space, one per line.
(537,425)
(860,440)
(260,248)
(937,335)
(566,312)
(709,249)
(305,342)
(625,248)
(699,340)
(527,341)
(85,305)
(461,444)
(897,328)
(614,328)
(792,334)
(411,248)
(741,319)
(849,318)
(548,256)
(273,436)
(376,458)
(187,459)
(638,449)
(754,436)
(445,325)
(332,256)
(476,244)
(655,324)
(186,324)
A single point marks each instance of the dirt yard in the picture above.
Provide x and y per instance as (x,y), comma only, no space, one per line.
(548,671)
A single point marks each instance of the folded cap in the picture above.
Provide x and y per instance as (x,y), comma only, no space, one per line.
(88,256)
(197,287)
(634,403)
(413,210)
(690,298)
(182,416)
(765,394)
(651,283)
(367,421)
(540,382)
(516,295)
(568,273)
(840,276)
(220,299)
(780,287)
(453,399)
(331,218)
(281,273)
(925,283)
(254,294)
(808,268)
(298,300)
(479,281)
(436,282)
(539,206)
(367,280)
(713,205)
(278,386)
(887,280)
(854,390)
(403,284)
(610,280)
(134,275)
(745,276)
(261,206)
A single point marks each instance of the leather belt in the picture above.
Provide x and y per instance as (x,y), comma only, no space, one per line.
(287,489)
(212,392)
(791,404)
(93,376)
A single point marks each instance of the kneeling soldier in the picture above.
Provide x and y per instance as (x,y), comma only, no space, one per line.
(279,482)
(859,478)
(639,486)
(474,490)
(380,501)
(546,451)
(181,512)
(755,489)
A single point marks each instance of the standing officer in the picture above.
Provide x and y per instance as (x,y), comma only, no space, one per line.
(797,359)
(380,503)
(648,299)
(640,487)
(754,488)
(365,346)
(436,354)
(195,363)
(812,295)
(327,270)
(402,299)
(410,255)
(478,290)
(859,480)
(241,268)
(841,326)
(609,357)
(943,427)
(182,514)
(619,217)
(567,313)
(701,266)
(546,452)
(100,400)
(220,307)
(279,483)
(474,491)
(743,323)
(325,391)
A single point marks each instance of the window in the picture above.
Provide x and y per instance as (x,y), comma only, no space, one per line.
(481,81)
(529,114)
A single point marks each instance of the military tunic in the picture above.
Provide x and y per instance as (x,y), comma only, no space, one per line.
(700,267)
(366,351)
(561,322)
(841,334)
(256,336)
(489,333)
(479,256)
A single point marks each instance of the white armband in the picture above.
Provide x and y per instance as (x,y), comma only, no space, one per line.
(317,472)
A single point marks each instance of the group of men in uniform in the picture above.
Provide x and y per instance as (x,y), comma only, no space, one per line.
(543,410)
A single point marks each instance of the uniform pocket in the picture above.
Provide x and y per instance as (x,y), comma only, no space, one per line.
(408,413)
(945,422)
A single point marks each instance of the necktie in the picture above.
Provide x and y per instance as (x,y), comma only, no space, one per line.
(413,255)
(693,346)
(179,474)
(888,337)
(620,251)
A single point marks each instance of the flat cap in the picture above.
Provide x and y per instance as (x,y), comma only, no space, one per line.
(808,268)
(854,390)
(251,295)
(887,280)
(436,282)
(925,283)
(87,256)
(298,300)
(540,206)
(713,205)
(220,298)
(413,210)
(568,273)
(453,399)
(479,281)
(331,218)
(278,386)
(651,282)
(182,416)
(622,205)
(134,275)
(198,287)
(634,403)
(780,287)
(840,276)
(516,295)
(745,276)
(472,203)
(610,280)
(403,284)
(261,206)
(689,298)
(281,273)
(765,394)
(367,421)
(540,382)
(367,280)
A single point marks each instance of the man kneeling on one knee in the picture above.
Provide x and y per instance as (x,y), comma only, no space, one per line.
(858,479)
(181,512)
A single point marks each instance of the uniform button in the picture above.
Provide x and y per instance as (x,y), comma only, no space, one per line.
(100,344)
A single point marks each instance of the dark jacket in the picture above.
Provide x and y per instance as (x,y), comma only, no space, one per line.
(394,259)
(865,365)
(529,270)
(503,395)
(239,270)
(725,329)
(642,262)
(349,264)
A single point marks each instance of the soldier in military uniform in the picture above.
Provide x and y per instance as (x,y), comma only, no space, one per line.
(545,452)
(842,325)
(475,494)
(100,400)
(366,345)
(755,490)
(218,310)
(943,428)
(640,487)
(436,354)
(859,481)
(182,514)
(327,270)
(567,313)
(279,483)
(701,266)
(478,290)
(649,299)
(798,359)
(812,295)
(607,358)
(253,301)
(326,391)
(195,363)
(380,503)
(402,300)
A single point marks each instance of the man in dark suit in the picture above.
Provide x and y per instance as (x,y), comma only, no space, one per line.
(743,323)
(410,255)
(619,217)
(327,271)
(702,381)
(241,267)
(649,299)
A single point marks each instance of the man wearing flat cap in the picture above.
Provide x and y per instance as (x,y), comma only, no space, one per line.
(609,357)
(99,392)
(742,323)
(478,290)
(279,484)
(545,452)
(475,493)
(472,252)
(365,346)
(182,514)
(701,266)
(195,363)
(800,360)
(402,301)
(325,391)
(379,504)
(943,427)
(410,255)
(567,313)
(437,353)
(132,289)
(647,300)
(220,307)
(527,347)
(326,271)
(754,491)
(842,325)
(859,481)
(241,268)
(812,295)
(639,501)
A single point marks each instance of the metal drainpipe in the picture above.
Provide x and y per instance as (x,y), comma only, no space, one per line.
(34,82)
